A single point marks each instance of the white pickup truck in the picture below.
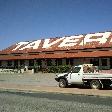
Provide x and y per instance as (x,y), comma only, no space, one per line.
(85,74)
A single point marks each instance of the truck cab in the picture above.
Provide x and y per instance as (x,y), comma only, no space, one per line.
(73,76)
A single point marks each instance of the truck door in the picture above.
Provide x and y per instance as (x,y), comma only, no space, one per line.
(75,76)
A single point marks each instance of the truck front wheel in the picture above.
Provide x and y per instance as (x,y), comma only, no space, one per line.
(62,83)
(95,84)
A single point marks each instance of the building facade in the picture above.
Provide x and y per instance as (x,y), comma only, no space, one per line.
(94,48)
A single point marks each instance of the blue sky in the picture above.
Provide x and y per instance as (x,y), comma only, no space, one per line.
(25,20)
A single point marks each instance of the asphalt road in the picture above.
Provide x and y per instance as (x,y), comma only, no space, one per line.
(52,102)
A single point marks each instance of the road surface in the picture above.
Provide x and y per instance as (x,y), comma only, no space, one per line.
(52,102)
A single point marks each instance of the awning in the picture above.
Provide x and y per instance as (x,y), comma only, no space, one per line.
(79,54)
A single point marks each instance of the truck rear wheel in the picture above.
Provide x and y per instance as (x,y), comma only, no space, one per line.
(62,83)
(95,84)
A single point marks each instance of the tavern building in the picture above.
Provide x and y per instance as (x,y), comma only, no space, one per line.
(94,48)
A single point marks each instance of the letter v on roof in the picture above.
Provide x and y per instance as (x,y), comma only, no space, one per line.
(48,44)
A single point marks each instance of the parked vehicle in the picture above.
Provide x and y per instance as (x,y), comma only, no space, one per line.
(85,74)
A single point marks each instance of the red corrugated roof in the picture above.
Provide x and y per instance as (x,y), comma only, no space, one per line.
(53,46)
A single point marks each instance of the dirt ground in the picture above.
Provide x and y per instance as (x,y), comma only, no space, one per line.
(44,83)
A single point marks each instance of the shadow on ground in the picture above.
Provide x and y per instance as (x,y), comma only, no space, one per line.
(87,87)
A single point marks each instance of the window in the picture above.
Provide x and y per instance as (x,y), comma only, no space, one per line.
(16,63)
(0,63)
(76,70)
(31,62)
(104,62)
(95,62)
(111,63)
(59,62)
(49,62)
(9,63)
(67,61)
(22,63)
(71,61)
(39,63)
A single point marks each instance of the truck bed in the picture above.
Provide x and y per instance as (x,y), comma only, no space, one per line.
(97,76)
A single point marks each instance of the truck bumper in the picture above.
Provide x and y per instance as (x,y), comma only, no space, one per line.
(57,79)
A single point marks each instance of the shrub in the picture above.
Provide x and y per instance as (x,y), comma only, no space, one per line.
(58,69)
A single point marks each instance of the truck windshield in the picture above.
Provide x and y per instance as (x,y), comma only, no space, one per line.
(75,69)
